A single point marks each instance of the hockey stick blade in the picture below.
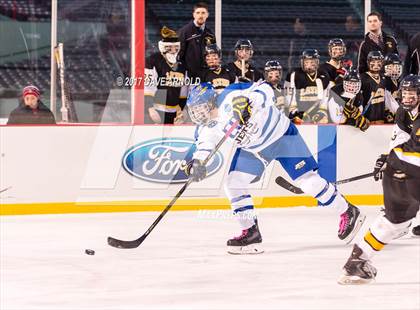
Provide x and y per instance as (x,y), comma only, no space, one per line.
(296,190)
(122,244)
(286,185)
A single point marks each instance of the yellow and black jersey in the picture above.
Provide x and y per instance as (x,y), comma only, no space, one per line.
(220,78)
(373,89)
(333,73)
(392,86)
(164,84)
(308,91)
(406,156)
(251,72)
(337,99)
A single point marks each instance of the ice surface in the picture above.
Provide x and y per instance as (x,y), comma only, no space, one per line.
(183,264)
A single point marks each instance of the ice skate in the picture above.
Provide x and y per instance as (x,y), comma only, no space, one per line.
(357,270)
(249,242)
(416,231)
(350,223)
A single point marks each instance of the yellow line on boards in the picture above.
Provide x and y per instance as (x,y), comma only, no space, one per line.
(159,205)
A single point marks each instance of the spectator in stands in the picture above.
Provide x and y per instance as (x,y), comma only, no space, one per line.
(298,42)
(375,40)
(352,29)
(194,36)
(412,60)
(31,110)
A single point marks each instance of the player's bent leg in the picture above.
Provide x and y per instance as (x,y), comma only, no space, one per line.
(249,241)
(358,268)
(351,219)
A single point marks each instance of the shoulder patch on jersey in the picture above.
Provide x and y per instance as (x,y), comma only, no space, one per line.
(211,124)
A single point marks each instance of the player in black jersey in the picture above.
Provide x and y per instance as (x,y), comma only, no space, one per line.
(335,68)
(216,74)
(401,182)
(242,66)
(308,101)
(373,88)
(273,72)
(345,102)
(393,70)
(165,91)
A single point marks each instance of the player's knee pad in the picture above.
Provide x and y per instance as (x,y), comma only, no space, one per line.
(383,231)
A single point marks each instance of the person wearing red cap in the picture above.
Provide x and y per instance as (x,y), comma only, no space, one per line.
(32,110)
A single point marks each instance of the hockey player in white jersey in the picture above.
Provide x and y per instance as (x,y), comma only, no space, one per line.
(264,134)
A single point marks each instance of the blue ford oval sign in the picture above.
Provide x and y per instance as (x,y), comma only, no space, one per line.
(162,160)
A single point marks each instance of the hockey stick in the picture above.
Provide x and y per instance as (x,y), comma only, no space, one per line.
(5,189)
(121,244)
(294,189)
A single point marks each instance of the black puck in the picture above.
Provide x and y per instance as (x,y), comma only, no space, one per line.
(90,252)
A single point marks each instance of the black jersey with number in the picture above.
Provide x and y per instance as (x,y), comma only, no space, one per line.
(373,89)
(220,78)
(305,95)
(251,72)
(164,82)
(333,73)
(406,156)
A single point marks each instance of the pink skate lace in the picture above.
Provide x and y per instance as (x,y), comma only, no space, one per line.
(344,222)
(244,233)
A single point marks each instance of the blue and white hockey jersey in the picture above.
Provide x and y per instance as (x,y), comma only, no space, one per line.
(265,126)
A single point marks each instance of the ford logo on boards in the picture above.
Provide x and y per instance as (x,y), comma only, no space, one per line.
(162,160)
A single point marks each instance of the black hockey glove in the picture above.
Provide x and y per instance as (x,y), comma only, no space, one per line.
(389,117)
(297,116)
(350,111)
(362,123)
(320,117)
(241,109)
(196,170)
(379,167)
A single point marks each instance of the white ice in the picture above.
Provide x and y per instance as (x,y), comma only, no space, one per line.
(184,265)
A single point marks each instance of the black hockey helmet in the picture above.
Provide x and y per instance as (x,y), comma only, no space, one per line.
(393,66)
(352,82)
(372,56)
(410,83)
(243,44)
(309,54)
(336,42)
(212,49)
(273,65)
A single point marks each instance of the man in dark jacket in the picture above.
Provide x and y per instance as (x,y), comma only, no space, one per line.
(194,37)
(412,60)
(375,40)
(32,111)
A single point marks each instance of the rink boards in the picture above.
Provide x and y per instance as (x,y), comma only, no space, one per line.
(76,169)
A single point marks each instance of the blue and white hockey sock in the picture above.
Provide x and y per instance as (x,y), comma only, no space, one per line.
(326,193)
